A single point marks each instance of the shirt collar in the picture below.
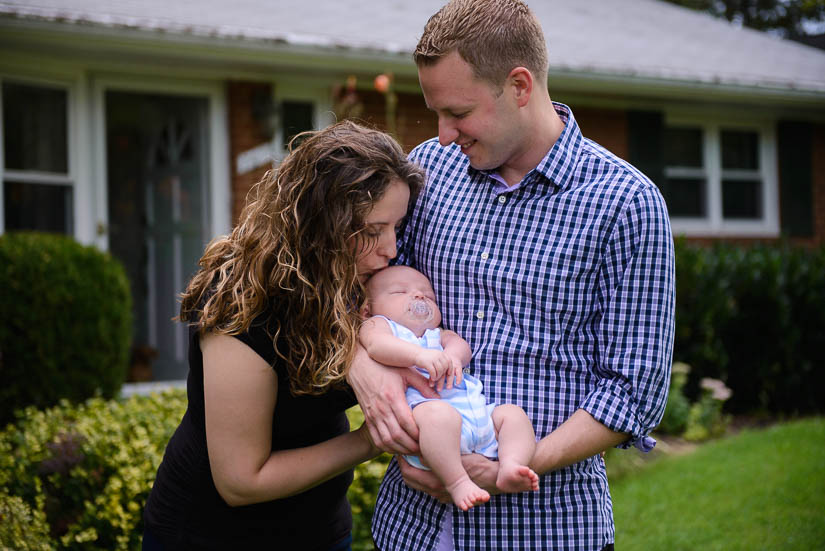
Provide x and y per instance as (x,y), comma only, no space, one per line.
(557,166)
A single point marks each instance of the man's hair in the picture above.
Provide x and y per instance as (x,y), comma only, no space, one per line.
(492,36)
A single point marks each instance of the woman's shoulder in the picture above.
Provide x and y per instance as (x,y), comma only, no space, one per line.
(260,336)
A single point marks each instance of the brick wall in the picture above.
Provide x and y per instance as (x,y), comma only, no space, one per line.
(607,127)
(414,122)
(244,134)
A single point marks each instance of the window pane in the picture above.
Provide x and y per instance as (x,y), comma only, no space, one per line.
(683,147)
(297,118)
(34,128)
(741,199)
(740,150)
(40,207)
(685,197)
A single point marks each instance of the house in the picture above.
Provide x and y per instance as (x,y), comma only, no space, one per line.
(141,126)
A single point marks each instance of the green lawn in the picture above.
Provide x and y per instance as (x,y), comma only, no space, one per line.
(761,489)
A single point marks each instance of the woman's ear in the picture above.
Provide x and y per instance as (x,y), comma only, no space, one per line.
(365,310)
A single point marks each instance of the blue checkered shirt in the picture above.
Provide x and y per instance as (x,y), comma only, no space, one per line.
(564,288)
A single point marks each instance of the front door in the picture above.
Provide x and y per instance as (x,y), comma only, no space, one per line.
(157,193)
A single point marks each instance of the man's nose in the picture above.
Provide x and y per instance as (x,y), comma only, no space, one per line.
(447,132)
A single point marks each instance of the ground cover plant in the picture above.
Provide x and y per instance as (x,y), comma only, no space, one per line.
(759,489)
(77,476)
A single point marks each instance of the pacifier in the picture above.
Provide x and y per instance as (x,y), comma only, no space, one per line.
(420,310)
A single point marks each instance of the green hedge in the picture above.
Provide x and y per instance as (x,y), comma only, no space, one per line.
(77,476)
(755,318)
(66,322)
(87,469)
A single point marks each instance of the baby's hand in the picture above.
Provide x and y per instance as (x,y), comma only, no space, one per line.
(455,372)
(436,363)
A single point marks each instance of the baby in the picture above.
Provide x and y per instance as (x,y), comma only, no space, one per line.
(404,332)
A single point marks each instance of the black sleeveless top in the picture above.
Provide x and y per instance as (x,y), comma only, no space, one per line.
(184,509)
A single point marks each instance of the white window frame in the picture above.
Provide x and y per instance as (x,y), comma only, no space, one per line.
(317,93)
(70,177)
(714,224)
(273,152)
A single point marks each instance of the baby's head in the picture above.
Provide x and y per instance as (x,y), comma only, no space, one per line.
(405,296)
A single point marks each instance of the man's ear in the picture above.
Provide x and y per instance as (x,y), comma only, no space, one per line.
(521,81)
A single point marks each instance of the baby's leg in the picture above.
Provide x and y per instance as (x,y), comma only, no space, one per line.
(439,426)
(516,445)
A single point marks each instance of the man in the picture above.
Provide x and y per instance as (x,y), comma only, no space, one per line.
(554,259)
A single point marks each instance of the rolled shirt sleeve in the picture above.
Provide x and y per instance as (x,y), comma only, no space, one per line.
(635,335)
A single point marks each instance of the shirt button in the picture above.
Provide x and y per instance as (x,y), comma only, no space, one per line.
(485,256)
(467,370)
(502,199)
(480,315)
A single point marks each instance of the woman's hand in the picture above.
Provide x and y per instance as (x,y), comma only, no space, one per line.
(380,391)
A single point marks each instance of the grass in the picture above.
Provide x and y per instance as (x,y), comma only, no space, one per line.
(760,489)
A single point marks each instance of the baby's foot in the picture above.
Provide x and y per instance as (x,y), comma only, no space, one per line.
(466,494)
(513,477)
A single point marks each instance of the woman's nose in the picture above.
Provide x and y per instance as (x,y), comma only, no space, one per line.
(387,246)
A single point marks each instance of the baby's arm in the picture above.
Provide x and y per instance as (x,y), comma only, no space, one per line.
(459,352)
(384,347)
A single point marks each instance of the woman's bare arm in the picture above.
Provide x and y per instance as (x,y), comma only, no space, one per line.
(240,392)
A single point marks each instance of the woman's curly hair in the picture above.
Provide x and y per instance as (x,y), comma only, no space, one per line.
(293,253)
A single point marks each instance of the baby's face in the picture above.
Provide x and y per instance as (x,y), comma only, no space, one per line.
(405,296)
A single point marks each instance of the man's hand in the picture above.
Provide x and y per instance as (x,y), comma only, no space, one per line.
(481,470)
(423,481)
(380,392)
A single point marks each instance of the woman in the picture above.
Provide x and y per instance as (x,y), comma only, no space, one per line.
(263,455)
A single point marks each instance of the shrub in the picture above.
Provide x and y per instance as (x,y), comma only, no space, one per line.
(21,527)
(364,490)
(87,469)
(705,418)
(67,324)
(675,418)
(755,319)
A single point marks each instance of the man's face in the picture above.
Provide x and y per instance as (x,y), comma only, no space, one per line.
(471,112)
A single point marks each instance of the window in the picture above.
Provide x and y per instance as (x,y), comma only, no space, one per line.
(37,188)
(297,117)
(720,179)
(302,105)
(685,176)
(741,180)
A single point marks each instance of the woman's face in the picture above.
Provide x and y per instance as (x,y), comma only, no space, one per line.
(381,225)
